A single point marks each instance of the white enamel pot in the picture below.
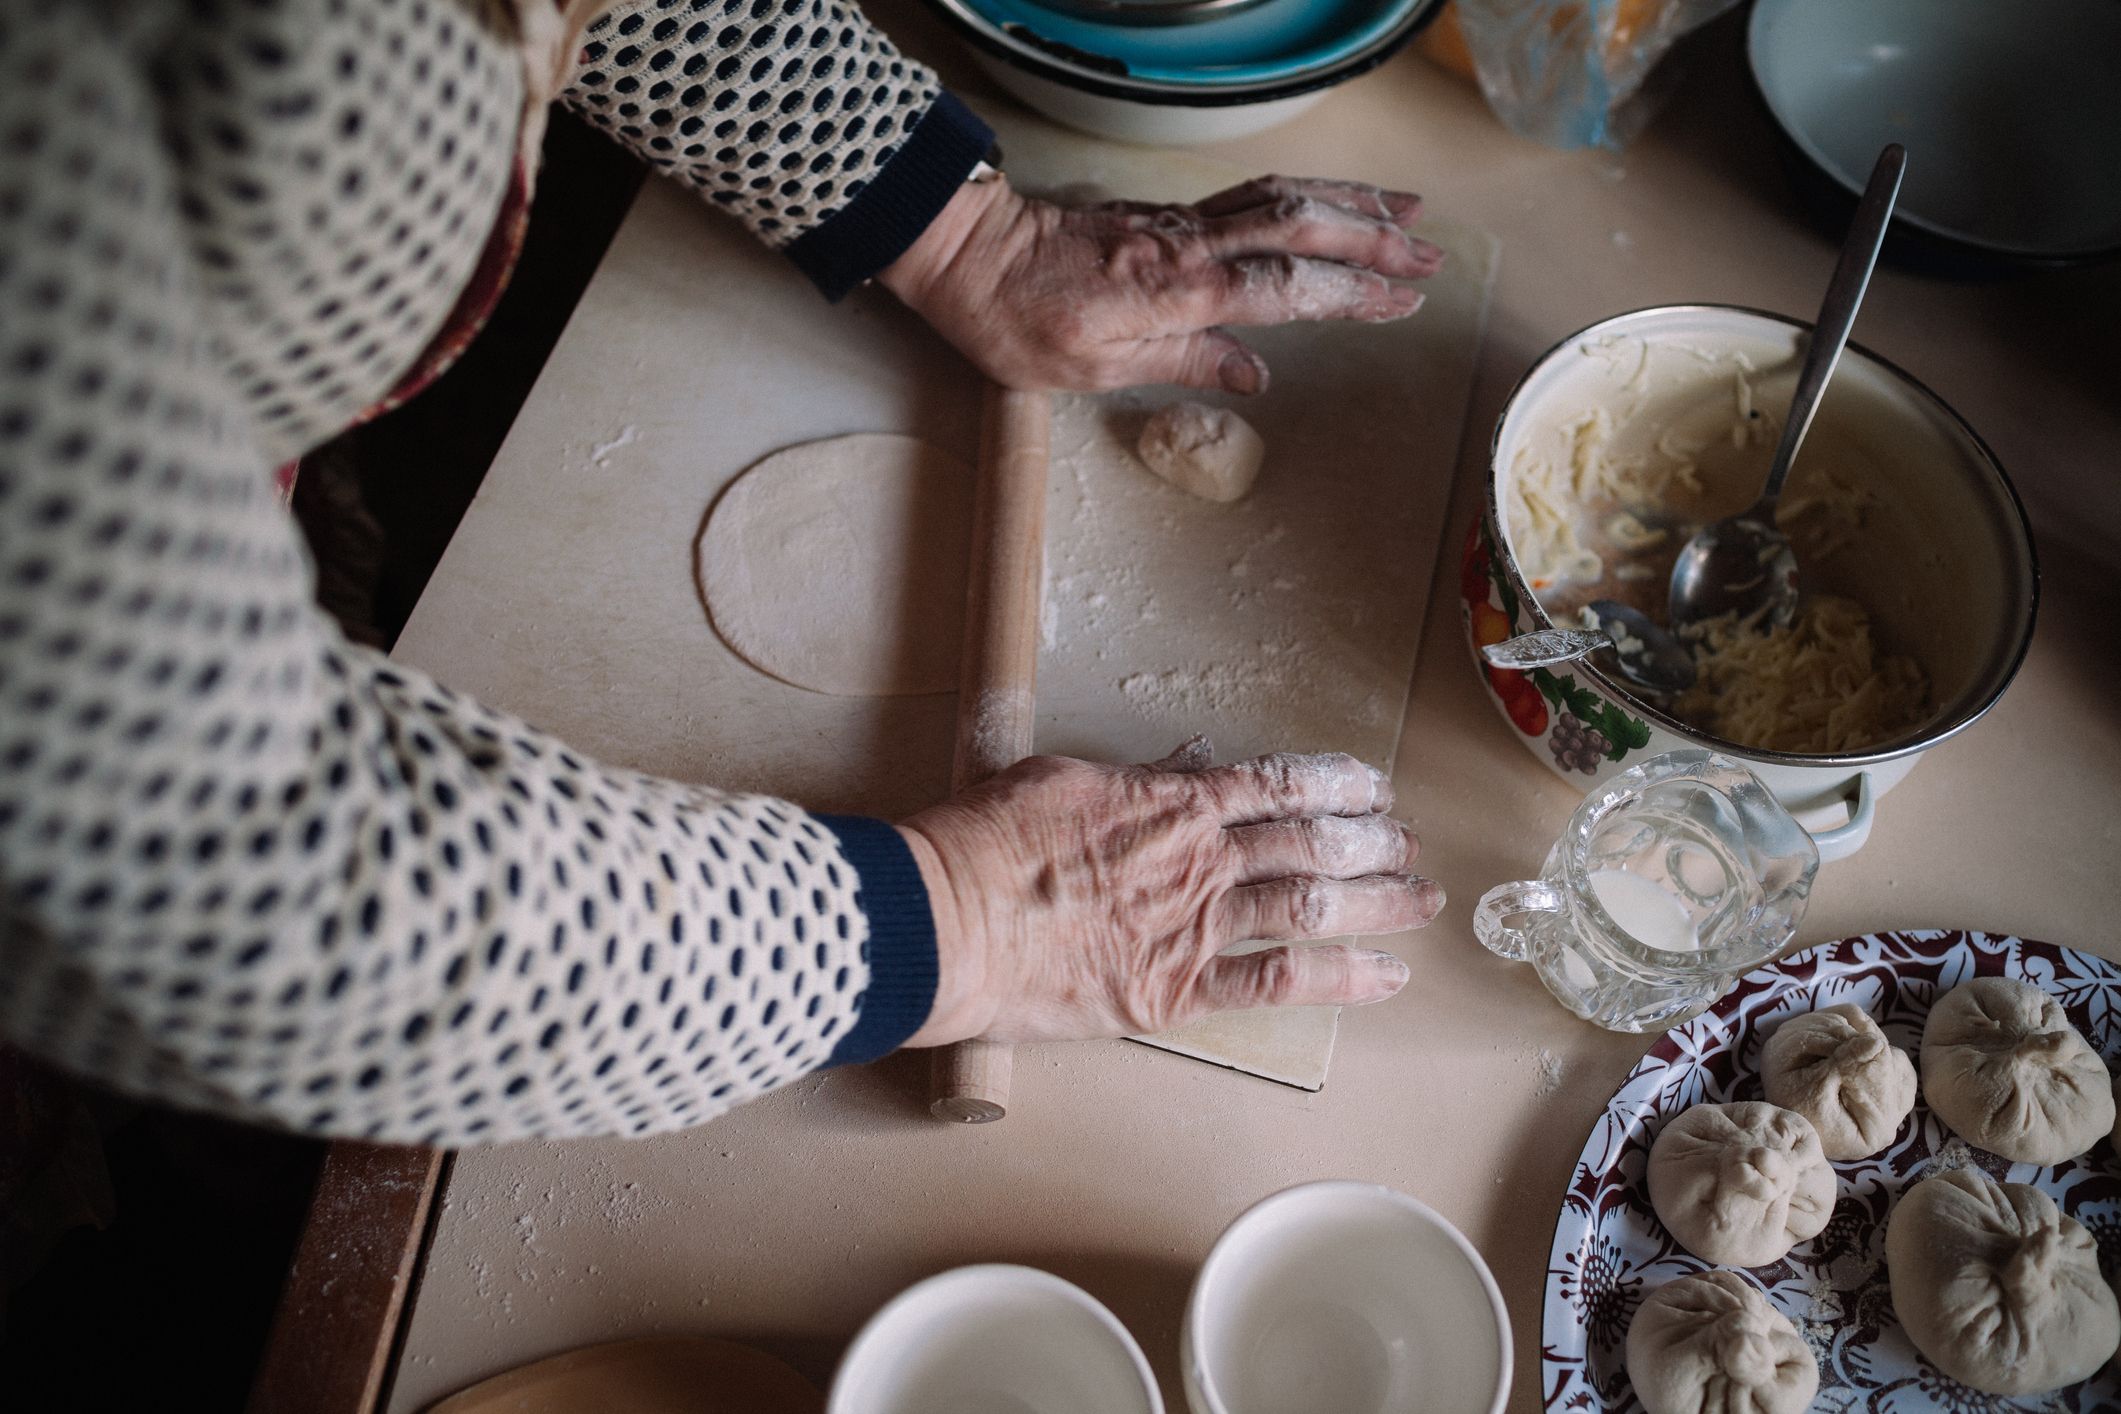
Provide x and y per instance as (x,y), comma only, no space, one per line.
(1953,576)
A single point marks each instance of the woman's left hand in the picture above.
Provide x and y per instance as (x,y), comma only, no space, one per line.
(1047,297)
(1073,901)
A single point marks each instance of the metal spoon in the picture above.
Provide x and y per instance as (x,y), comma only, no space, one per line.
(1743,565)
(1649,657)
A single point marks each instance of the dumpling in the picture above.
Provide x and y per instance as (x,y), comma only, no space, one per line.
(1741,1183)
(1836,1068)
(1711,1343)
(1209,451)
(2004,1068)
(1996,1286)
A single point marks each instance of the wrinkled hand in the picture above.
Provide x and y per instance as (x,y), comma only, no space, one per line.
(1043,297)
(1075,901)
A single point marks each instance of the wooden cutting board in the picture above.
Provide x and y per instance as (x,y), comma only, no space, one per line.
(1288,620)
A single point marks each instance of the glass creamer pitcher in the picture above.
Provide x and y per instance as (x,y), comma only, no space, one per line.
(1668,883)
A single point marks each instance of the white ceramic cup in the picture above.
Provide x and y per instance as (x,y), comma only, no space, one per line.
(994,1340)
(1345,1298)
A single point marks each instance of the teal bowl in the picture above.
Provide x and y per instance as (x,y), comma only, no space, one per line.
(1264,43)
(1229,72)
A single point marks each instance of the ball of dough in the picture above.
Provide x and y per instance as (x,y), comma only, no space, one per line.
(1209,451)
(1740,1184)
(2004,1068)
(1836,1068)
(1996,1286)
(1710,1343)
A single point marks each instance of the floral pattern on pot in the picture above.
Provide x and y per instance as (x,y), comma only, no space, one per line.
(1610,1251)
(1588,732)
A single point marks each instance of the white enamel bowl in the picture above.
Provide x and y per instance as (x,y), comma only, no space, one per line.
(1945,566)
(2010,112)
(994,1340)
(1345,1298)
(1147,122)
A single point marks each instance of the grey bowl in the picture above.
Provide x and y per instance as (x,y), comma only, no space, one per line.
(2010,111)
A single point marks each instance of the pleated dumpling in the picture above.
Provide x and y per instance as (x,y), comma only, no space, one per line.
(1740,1183)
(1836,1068)
(2004,1068)
(1997,1286)
(1711,1343)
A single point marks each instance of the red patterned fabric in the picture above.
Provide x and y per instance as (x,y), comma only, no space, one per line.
(467,317)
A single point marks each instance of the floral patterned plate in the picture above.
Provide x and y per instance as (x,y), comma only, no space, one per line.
(1609,1251)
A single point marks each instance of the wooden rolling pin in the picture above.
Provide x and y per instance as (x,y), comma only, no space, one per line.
(998,676)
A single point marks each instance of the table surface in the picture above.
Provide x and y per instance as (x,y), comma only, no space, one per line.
(789,1222)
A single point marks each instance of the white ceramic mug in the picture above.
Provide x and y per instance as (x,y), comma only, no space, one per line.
(1345,1298)
(994,1340)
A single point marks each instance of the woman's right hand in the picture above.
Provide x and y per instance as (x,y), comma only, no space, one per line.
(1126,292)
(1075,901)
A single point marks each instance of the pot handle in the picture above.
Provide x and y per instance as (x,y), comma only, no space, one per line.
(1845,839)
(1506,901)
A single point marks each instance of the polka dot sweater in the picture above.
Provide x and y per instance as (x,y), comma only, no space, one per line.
(780,110)
(244,864)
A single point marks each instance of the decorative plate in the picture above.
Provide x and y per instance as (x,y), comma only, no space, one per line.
(1610,1251)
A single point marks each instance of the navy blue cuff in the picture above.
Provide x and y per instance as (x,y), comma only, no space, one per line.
(901,947)
(889,214)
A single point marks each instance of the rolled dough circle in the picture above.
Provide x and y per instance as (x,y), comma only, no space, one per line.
(839,566)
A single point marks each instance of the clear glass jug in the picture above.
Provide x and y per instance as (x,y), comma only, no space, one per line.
(1667,884)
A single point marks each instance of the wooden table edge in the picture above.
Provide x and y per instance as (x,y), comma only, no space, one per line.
(336,1334)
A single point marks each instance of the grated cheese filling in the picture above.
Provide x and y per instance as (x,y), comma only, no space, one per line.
(1819,686)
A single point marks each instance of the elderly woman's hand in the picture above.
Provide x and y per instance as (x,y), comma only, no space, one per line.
(1044,297)
(1075,901)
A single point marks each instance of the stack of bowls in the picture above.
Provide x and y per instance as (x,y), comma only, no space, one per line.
(1180,71)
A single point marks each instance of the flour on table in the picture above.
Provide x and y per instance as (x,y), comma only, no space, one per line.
(839,566)
(1277,669)
(1549,1073)
(600,454)
(1273,672)
(999,715)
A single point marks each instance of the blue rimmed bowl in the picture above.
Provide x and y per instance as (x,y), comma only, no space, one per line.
(1222,74)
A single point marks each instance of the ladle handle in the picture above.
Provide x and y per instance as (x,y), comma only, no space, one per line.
(1544,647)
(1837,314)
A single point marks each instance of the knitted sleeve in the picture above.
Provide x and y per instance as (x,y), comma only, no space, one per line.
(245,865)
(797,116)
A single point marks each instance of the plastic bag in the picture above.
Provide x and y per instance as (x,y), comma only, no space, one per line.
(1569,73)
